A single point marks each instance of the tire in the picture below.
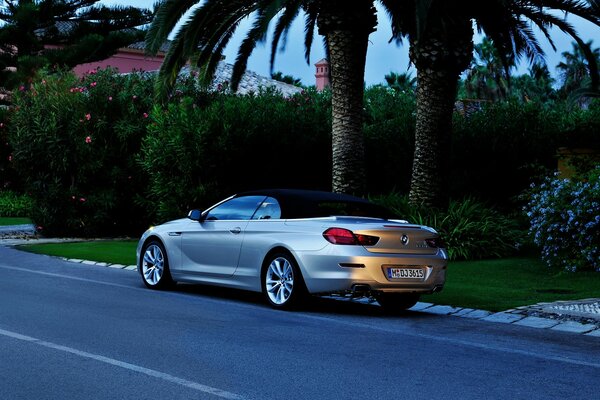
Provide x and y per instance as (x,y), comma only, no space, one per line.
(282,283)
(394,303)
(155,266)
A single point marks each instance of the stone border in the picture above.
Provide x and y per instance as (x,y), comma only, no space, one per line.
(100,264)
(522,316)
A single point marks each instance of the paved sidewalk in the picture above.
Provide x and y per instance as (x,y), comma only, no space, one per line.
(577,316)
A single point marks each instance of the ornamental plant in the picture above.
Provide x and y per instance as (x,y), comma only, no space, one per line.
(564,217)
(73,143)
(470,228)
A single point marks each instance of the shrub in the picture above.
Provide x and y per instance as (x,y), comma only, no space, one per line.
(565,221)
(201,149)
(15,205)
(470,228)
(7,172)
(74,142)
(389,131)
(497,150)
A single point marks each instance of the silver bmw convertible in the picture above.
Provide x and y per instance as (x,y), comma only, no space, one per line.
(289,244)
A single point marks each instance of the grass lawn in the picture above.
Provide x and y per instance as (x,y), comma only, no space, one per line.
(493,285)
(110,251)
(498,285)
(4,221)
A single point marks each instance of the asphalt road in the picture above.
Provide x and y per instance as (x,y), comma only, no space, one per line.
(71,331)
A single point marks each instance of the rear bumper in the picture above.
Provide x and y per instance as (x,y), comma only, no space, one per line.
(338,269)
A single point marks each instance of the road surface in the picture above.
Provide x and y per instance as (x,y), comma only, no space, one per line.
(73,331)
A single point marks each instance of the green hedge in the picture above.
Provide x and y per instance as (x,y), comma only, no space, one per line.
(99,158)
(196,153)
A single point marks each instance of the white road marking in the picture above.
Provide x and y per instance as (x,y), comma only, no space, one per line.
(121,364)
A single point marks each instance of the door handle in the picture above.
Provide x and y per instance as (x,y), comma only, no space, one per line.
(235,230)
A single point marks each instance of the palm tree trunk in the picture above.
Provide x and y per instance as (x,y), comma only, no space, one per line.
(440,55)
(347,51)
(436,93)
(346,26)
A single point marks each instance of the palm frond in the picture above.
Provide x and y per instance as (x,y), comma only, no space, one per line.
(310,22)
(258,32)
(291,11)
(168,14)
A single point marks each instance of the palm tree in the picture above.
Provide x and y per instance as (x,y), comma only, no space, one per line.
(487,78)
(575,69)
(440,33)
(345,25)
(403,82)
(535,85)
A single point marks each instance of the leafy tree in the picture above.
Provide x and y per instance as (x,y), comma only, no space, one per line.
(61,33)
(346,26)
(278,76)
(440,33)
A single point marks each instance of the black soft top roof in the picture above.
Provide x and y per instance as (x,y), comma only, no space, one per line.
(297,203)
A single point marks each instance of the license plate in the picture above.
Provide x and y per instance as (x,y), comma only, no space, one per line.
(405,273)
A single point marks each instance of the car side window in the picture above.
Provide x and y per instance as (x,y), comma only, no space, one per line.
(269,209)
(238,208)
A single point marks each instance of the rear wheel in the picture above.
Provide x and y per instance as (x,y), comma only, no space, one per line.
(282,282)
(155,266)
(397,302)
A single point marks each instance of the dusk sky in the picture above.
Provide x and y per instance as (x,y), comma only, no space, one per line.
(382,57)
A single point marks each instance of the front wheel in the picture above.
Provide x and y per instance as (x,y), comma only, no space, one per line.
(155,266)
(396,302)
(282,282)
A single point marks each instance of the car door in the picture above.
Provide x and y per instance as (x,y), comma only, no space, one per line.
(212,246)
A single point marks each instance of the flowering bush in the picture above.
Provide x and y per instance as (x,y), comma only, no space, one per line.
(75,151)
(565,221)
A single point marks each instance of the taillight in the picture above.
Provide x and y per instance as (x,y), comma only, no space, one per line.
(345,236)
(435,242)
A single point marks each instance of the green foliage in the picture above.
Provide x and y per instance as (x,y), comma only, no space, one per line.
(496,151)
(7,173)
(565,221)
(389,138)
(74,143)
(201,149)
(15,205)
(48,33)
(278,76)
(470,228)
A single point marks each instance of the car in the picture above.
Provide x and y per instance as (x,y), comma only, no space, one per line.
(290,244)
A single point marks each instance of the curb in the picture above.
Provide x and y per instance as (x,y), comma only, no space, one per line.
(100,264)
(518,316)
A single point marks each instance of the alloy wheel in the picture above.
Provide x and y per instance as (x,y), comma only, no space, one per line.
(279,280)
(153,264)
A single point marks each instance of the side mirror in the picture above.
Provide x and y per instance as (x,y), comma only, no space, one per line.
(195,215)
